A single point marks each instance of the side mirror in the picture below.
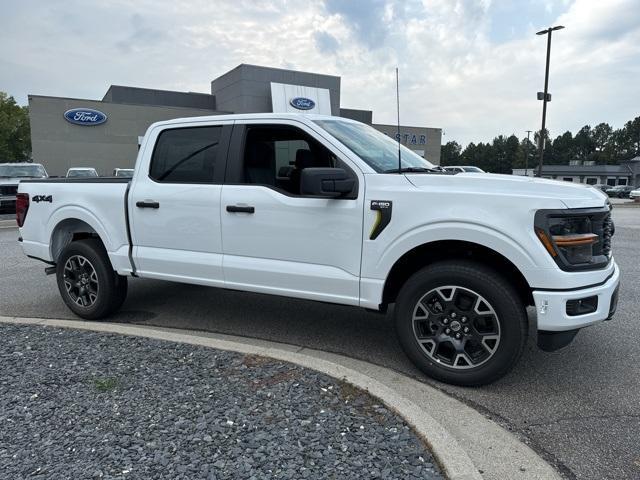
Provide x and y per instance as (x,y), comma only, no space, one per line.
(326,182)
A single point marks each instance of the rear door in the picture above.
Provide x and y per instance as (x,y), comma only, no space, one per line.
(277,240)
(174,203)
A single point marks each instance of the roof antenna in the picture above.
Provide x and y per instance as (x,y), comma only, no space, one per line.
(398,110)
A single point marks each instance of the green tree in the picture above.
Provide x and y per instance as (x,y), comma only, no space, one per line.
(564,149)
(630,139)
(15,136)
(450,153)
(584,144)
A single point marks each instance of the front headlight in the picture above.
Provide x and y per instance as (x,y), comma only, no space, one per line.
(577,239)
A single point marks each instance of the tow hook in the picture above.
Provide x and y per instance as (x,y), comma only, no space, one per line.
(50,270)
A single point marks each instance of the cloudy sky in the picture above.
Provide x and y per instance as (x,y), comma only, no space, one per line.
(471,67)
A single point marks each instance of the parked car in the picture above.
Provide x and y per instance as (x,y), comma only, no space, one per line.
(463,169)
(123,172)
(634,194)
(10,176)
(612,190)
(82,172)
(461,258)
(621,191)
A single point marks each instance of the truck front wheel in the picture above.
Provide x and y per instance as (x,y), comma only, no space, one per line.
(87,282)
(461,322)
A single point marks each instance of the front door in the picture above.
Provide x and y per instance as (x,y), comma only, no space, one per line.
(174,205)
(276,240)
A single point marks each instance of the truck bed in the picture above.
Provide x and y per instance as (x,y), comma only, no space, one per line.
(60,206)
(79,180)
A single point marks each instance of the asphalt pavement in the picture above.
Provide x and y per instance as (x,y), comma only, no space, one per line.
(579,407)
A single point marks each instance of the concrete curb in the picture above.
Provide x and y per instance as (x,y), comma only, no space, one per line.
(513,459)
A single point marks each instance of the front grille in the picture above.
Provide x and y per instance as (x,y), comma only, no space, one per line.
(8,189)
(608,230)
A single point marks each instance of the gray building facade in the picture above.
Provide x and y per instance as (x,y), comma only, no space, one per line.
(59,143)
(626,173)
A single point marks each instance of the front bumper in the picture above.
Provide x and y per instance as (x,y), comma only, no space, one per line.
(551,306)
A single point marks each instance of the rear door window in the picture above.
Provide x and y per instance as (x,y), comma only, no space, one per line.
(188,155)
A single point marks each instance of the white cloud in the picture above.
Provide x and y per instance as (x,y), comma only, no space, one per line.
(470,67)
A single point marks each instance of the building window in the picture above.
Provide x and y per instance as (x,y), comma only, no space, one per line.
(591,180)
(611,181)
(622,181)
(567,179)
(186,155)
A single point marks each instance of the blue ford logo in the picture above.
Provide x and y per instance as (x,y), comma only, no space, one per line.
(85,116)
(302,103)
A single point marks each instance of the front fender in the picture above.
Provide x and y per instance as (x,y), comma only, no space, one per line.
(507,246)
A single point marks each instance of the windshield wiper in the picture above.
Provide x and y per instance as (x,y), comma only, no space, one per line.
(413,170)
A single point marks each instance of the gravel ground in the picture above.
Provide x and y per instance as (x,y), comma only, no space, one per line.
(77,405)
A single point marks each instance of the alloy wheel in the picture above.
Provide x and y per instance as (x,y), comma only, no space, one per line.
(456,327)
(81,280)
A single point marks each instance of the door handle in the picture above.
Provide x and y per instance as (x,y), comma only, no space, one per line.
(240,209)
(148,204)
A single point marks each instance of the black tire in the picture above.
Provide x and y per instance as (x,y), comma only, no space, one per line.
(477,358)
(101,294)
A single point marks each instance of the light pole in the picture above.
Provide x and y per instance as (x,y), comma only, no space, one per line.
(526,156)
(545,97)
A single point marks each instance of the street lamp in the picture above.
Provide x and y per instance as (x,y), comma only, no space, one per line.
(545,96)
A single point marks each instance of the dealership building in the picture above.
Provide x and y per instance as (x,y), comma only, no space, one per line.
(105,134)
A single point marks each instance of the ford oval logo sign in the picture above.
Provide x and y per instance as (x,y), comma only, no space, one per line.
(85,116)
(302,103)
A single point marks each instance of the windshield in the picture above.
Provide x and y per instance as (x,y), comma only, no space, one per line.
(472,169)
(374,147)
(82,173)
(33,170)
(124,173)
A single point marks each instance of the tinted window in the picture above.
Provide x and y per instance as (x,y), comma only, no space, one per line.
(186,155)
(275,156)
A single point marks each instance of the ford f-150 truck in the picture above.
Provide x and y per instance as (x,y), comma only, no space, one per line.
(329,209)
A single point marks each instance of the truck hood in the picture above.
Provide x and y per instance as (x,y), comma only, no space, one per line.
(573,195)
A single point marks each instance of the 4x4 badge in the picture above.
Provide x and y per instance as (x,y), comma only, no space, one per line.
(383,217)
(43,198)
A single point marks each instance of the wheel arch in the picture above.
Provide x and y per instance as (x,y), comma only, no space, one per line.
(69,230)
(431,252)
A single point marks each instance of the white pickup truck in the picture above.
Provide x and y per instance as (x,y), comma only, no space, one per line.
(317,207)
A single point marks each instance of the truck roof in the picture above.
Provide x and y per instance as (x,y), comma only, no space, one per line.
(304,117)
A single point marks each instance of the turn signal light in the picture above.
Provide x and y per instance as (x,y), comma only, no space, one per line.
(575,240)
(546,242)
(22,207)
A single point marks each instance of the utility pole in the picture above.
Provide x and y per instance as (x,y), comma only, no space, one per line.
(545,96)
(526,156)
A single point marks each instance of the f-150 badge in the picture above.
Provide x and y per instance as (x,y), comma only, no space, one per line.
(383,217)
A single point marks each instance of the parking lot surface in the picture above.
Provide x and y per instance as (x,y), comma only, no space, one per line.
(579,407)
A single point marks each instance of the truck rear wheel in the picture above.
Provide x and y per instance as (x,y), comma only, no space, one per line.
(461,323)
(87,282)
